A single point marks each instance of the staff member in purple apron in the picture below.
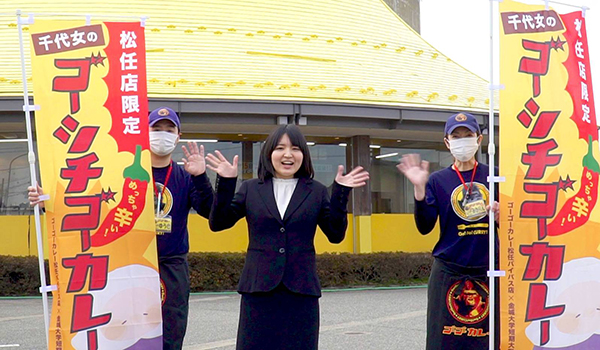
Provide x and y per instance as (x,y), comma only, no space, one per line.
(457,295)
(177,189)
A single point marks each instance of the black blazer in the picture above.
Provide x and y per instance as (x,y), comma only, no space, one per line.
(281,250)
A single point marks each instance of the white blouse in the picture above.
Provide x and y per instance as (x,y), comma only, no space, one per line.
(283,190)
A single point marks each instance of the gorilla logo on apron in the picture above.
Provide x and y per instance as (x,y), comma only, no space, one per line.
(467,301)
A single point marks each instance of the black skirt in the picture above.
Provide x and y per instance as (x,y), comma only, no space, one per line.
(458,308)
(278,320)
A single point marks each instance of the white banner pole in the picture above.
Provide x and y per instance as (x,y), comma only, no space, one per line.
(492,182)
(31,156)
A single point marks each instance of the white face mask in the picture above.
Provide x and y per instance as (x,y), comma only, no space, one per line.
(162,143)
(463,149)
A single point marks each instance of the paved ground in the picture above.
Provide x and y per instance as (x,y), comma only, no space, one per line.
(350,320)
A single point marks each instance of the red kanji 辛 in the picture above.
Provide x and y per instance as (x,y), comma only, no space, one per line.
(537,252)
(576,210)
(122,218)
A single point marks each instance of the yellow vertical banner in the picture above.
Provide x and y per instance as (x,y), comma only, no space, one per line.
(92,136)
(549,232)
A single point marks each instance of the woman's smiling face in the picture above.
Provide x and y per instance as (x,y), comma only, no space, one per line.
(286,158)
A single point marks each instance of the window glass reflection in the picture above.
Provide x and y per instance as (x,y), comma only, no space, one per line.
(391,192)
(14,178)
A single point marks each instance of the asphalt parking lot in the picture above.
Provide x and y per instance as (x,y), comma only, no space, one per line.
(375,319)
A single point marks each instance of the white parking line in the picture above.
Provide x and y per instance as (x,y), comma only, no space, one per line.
(10,346)
(211,346)
(211,299)
(397,317)
(16,318)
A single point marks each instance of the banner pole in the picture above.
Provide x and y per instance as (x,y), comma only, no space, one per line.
(492,182)
(31,156)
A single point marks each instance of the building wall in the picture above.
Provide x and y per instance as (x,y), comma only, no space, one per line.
(386,225)
(18,236)
(389,233)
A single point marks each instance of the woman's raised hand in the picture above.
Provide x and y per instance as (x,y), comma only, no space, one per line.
(220,165)
(356,178)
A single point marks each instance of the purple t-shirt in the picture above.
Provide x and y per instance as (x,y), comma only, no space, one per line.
(182,193)
(463,240)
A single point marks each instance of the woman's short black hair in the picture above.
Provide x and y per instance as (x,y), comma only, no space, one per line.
(265,166)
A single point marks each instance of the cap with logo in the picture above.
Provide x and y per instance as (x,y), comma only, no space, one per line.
(163,113)
(464,119)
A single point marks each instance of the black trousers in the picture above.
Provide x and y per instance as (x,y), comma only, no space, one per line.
(175,288)
(458,308)
(278,320)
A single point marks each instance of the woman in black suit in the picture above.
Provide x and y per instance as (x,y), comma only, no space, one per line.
(279,284)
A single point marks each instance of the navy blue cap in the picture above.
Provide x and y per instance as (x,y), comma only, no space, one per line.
(462,119)
(164,113)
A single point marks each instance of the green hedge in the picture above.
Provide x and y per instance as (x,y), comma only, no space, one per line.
(221,271)
(20,275)
(375,269)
